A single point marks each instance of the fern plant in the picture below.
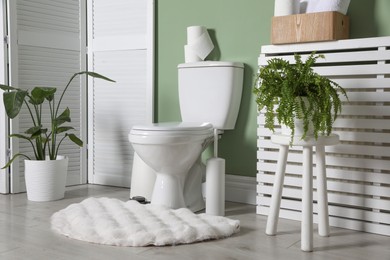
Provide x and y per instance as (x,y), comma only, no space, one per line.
(288,91)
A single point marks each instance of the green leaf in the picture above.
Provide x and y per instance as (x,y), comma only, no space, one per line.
(33,130)
(8,88)
(13,158)
(64,117)
(13,102)
(36,131)
(95,75)
(42,93)
(75,139)
(63,129)
(20,136)
(39,133)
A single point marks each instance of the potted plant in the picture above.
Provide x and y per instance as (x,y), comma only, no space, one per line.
(297,97)
(46,175)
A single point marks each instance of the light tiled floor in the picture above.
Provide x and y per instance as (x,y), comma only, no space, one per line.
(25,234)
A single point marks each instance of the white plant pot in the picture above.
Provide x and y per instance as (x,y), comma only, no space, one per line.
(46,180)
(298,125)
(298,129)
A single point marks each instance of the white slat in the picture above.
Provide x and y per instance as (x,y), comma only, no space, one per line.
(335,211)
(339,57)
(353,175)
(348,201)
(357,168)
(355,123)
(333,185)
(334,221)
(341,46)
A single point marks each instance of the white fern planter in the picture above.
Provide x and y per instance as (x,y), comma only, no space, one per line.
(298,125)
(46,180)
(298,129)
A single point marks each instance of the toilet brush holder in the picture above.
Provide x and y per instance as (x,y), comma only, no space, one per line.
(215,187)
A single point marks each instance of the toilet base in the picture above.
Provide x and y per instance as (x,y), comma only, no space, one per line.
(168,191)
(143,180)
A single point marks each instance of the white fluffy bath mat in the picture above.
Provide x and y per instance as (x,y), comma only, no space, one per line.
(114,222)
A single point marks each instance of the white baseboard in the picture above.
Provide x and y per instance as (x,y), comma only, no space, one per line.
(240,189)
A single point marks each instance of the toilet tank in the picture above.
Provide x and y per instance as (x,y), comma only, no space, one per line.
(210,91)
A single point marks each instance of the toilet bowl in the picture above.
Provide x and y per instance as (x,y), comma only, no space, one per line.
(172,150)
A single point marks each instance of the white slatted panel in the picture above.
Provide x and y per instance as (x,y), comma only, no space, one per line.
(45,51)
(120,47)
(358,169)
(4,176)
(54,15)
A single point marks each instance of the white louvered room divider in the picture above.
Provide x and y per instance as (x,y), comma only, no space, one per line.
(358,169)
(44,43)
(120,46)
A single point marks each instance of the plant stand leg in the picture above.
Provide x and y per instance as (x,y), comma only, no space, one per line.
(323,215)
(272,221)
(307,200)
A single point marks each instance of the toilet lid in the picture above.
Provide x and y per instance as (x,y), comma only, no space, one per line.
(176,127)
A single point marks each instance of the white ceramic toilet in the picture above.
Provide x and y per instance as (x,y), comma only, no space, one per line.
(168,154)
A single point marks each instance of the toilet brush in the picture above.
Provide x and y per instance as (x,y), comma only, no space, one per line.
(215,182)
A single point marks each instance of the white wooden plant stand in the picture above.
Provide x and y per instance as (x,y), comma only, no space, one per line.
(307,185)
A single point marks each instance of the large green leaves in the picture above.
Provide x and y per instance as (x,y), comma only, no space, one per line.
(39,137)
(13,102)
(93,74)
(64,117)
(8,88)
(21,137)
(63,129)
(13,159)
(39,94)
(75,139)
(36,131)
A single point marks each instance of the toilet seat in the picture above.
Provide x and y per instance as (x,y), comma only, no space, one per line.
(171,133)
(173,129)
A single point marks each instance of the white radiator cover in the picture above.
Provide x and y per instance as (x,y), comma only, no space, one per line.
(358,169)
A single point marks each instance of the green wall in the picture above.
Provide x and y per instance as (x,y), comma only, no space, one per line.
(238,29)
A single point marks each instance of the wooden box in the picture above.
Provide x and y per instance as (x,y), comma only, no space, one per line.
(313,27)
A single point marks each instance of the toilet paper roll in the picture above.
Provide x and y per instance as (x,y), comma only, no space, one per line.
(286,7)
(190,55)
(340,6)
(215,187)
(199,44)
(194,32)
(202,46)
